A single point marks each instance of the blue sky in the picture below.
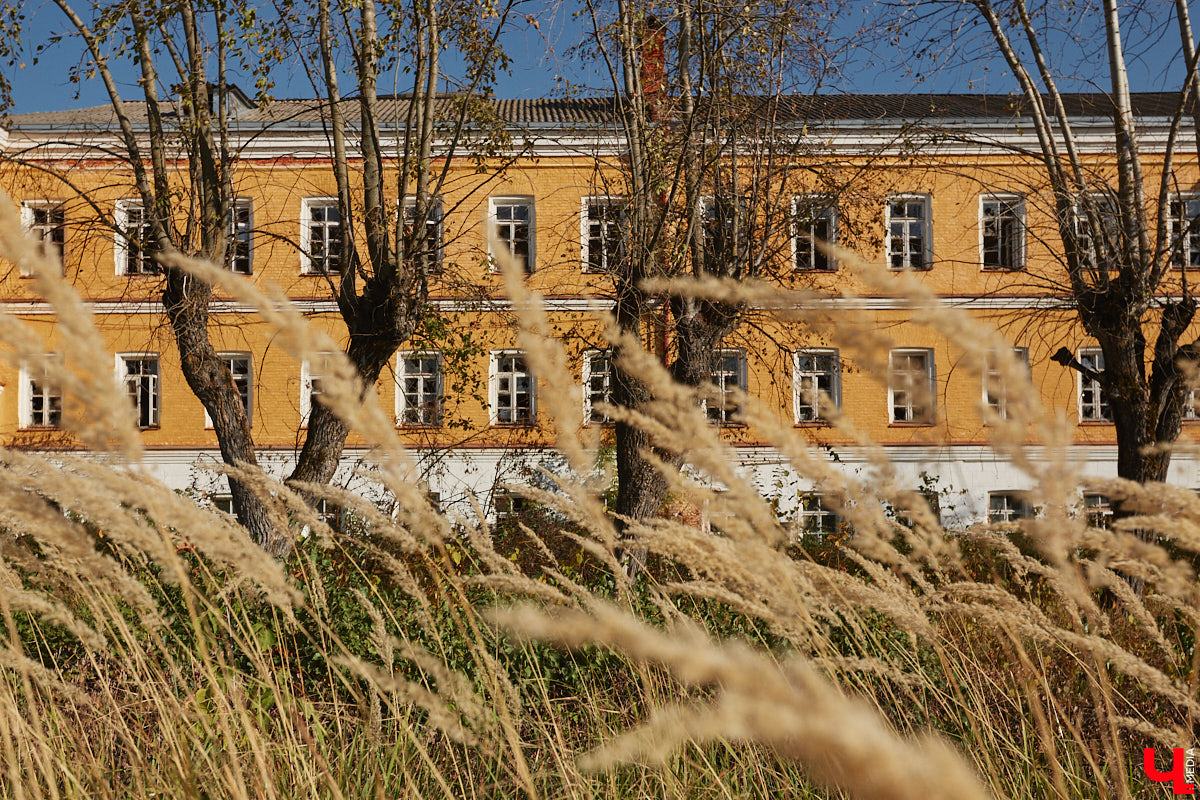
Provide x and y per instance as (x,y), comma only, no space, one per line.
(875,62)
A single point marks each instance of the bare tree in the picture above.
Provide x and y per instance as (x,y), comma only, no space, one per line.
(382,287)
(712,134)
(1119,238)
(202,115)
(381,282)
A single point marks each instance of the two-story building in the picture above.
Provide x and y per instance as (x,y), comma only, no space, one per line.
(945,191)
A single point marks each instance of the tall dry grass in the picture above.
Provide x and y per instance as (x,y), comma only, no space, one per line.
(148,649)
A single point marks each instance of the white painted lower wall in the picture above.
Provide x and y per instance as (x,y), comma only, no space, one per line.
(962,474)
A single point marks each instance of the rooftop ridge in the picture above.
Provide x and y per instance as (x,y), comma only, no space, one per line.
(600,110)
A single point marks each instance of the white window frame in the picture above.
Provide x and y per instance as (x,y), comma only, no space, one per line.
(911,391)
(1097,509)
(585,222)
(423,377)
(308,375)
(31,369)
(1092,357)
(803,233)
(1107,209)
(121,245)
(307,204)
(508,504)
(926,224)
(710,221)
(329,513)
(807,396)
(239,232)
(995,388)
(436,220)
(123,379)
(590,415)
(494,377)
(814,518)
(1016,204)
(719,381)
(45,232)
(494,223)
(1188,254)
(1012,506)
(1191,404)
(247,379)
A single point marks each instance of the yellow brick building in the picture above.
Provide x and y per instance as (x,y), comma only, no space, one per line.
(945,195)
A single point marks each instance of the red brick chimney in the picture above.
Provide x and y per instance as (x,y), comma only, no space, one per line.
(653,58)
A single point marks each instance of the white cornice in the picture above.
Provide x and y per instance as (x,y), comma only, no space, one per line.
(577,305)
(940,138)
(74,145)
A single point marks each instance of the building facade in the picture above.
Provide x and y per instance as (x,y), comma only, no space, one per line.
(944,192)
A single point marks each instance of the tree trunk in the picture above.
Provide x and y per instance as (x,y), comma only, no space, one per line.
(1129,398)
(325,439)
(186,303)
(641,487)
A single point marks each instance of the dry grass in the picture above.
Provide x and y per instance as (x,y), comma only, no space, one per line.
(149,649)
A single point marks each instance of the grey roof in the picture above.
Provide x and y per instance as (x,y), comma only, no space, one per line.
(601,111)
(965,106)
(302,113)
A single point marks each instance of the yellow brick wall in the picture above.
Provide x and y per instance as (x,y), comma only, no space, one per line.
(276,189)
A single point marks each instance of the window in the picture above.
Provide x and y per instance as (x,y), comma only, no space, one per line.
(816,382)
(1191,404)
(46,221)
(1007,506)
(418,388)
(509,505)
(604,223)
(427,249)
(1002,226)
(814,518)
(1093,250)
(718,223)
(597,385)
(995,388)
(329,513)
(223,503)
(728,377)
(311,375)
(243,381)
(40,397)
(513,396)
(814,219)
(139,375)
(1184,232)
(241,224)
(908,232)
(1098,509)
(320,235)
(133,254)
(512,226)
(1093,404)
(910,386)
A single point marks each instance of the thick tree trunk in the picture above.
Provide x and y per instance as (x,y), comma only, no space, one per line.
(641,487)
(1138,416)
(1134,462)
(186,303)
(370,353)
